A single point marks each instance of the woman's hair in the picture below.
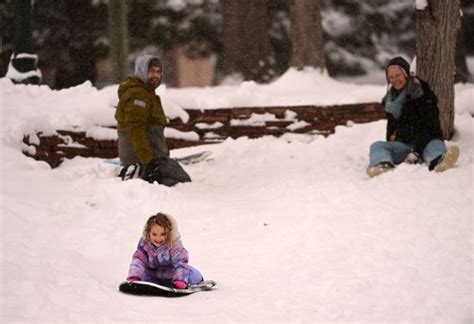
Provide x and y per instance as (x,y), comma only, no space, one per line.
(164,221)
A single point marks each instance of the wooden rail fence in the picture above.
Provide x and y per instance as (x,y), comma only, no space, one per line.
(212,126)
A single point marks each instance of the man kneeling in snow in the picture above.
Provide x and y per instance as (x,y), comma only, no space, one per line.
(140,125)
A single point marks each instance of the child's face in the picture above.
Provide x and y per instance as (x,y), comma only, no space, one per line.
(157,235)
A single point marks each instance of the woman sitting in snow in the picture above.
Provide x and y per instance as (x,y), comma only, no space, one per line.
(160,256)
(413,129)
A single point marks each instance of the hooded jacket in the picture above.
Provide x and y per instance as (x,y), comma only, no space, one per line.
(418,123)
(138,108)
(159,264)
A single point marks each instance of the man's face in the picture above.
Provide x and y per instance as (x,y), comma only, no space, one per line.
(154,76)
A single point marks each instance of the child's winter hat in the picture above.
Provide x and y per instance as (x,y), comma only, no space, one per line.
(399,62)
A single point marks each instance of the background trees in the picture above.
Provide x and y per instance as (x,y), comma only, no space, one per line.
(70,37)
(161,26)
(363,35)
(465,32)
(67,37)
(246,42)
(23,61)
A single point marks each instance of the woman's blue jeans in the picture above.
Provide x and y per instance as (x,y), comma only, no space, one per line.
(395,152)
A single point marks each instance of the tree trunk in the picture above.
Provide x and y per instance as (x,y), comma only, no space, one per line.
(307,34)
(24,61)
(118,33)
(436,29)
(246,43)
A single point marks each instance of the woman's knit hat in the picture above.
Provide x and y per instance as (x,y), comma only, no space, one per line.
(399,62)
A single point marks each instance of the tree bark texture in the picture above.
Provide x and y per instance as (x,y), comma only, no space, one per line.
(436,30)
(118,34)
(307,34)
(246,42)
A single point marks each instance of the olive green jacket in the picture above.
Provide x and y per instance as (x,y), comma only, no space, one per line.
(139,107)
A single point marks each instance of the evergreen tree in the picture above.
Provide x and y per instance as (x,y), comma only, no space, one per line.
(363,35)
(66,37)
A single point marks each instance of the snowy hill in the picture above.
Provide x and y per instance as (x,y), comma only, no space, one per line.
(291,228)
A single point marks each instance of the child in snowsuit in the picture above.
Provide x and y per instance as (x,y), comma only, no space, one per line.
(160,256)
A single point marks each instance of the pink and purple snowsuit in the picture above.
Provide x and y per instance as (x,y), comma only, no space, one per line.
(163,265)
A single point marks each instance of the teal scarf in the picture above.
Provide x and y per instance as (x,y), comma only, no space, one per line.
(394,100)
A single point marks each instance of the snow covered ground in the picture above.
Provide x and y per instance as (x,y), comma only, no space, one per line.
(291,228)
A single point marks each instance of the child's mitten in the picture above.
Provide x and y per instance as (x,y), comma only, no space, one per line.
(179,284)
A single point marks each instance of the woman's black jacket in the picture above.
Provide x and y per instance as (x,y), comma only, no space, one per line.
(418,123)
